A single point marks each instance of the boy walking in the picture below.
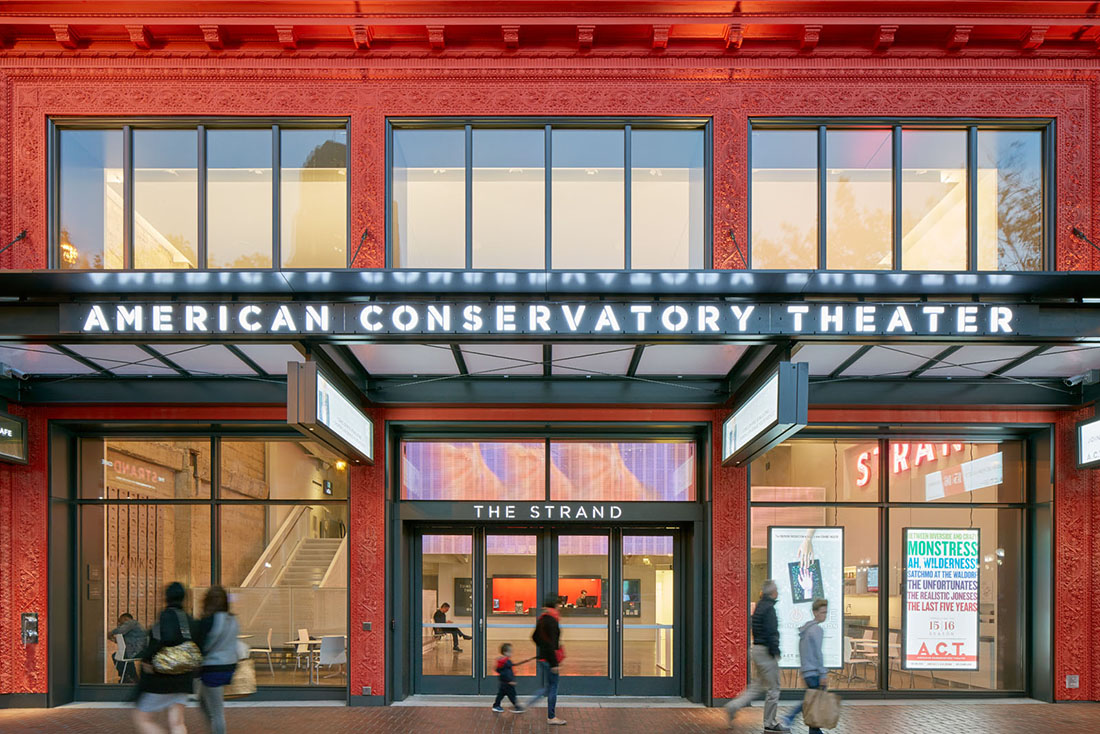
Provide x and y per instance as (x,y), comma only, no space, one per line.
(810,639)
(507,676)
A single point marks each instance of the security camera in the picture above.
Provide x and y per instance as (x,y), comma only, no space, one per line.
(6,370)
(1091,377)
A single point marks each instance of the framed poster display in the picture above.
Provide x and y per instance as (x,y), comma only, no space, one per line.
(807,563)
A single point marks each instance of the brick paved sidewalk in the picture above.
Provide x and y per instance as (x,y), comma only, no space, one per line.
(920,717)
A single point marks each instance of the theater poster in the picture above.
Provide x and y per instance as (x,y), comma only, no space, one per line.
(940,614)
(807,564)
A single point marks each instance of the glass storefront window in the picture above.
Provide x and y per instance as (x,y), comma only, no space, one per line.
(582,595)
(281,470)
(145,469)
(667,196)
(238,198)
(509,204)
(622,471)
(784,199)
(473,470)
(649,605)
(166,199)
(859,199)
(512,603)
(933,200)
(1010,200)
(129,553)
(429,198)
(587,192)
(90,210)
(446,604)
(314,198)
(817,470)
(955,472)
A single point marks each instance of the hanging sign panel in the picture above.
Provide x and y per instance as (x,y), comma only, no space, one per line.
(988,471)
(940,613)
(807,564)
(771,414)
(1088,444)
(13,439)
(319,410)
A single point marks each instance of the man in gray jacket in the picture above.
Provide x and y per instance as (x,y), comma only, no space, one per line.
(810,639)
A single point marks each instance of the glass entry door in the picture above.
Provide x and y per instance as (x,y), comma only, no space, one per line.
(619,605)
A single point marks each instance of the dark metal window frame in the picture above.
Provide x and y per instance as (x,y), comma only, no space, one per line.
(201,125)
(972,126)
(104,691)
(1025,434)
(548,125)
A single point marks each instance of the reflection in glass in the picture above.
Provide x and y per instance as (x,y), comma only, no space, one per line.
(281,470)
(860,625)
(511,598)
(1010,200)
(952,472)
(286,569)
(859,199)
(649,605)
(622,471)
(509,206)
(817,470)
(1001,605)
(447,577)
(587,200)
(429,199)
(784,199)
(933,200)
(238,198)
(314,198)
(128,554)
(91,200)
(144,469)
(473,470)
(166,199)
(667,199)
(582,593)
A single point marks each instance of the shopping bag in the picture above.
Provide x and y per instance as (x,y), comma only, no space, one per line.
(821,709)
(244,680)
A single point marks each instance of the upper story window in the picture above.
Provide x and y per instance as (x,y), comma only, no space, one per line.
(160,195)
(575,195)
(921,196)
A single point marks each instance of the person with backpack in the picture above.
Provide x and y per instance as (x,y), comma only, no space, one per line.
(811,637)
(218,630)
(168,666)
(549,654)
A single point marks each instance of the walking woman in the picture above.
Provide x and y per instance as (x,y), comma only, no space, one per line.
(218,630)
(170,644)
(547,637)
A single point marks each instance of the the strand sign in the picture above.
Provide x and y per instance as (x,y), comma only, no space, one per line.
(516,319)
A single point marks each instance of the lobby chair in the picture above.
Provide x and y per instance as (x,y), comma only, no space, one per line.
(301,650)
(120,657)
(265,650)
(333,651)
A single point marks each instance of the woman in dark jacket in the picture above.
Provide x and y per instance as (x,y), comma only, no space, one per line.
(158,691)
(547,638)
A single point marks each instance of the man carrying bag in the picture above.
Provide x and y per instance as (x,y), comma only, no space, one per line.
(819,709)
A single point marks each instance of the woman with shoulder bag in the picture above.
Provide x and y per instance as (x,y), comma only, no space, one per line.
(168,666)
(218,630)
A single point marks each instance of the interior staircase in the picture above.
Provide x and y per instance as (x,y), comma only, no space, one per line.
(308,564)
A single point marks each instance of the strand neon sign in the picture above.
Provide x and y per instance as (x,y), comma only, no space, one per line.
(903,457)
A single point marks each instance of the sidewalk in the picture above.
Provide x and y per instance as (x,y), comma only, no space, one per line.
(925,717)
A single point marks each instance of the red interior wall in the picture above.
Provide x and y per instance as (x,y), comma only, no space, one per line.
(507,591)
(572,589)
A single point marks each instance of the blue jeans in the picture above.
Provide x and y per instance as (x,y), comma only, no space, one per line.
(548,686)
(811,682)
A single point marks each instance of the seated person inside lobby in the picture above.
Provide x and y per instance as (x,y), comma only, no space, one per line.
(440,617)
(134,637)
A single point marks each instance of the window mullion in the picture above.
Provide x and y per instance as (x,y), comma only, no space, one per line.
(626,196)
(896,179)
(127,197)
(276,181)
(972,197)
(548,186)
(469,155)
(203,257)
(822,213)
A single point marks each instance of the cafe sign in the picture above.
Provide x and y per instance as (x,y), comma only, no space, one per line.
(13,439)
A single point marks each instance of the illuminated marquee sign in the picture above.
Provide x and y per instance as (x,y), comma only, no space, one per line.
(13,439)
(319,410)
(772,413)
(504,318)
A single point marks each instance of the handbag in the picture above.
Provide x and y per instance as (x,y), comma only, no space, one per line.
(244,680)
(182,658)
(821,708)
